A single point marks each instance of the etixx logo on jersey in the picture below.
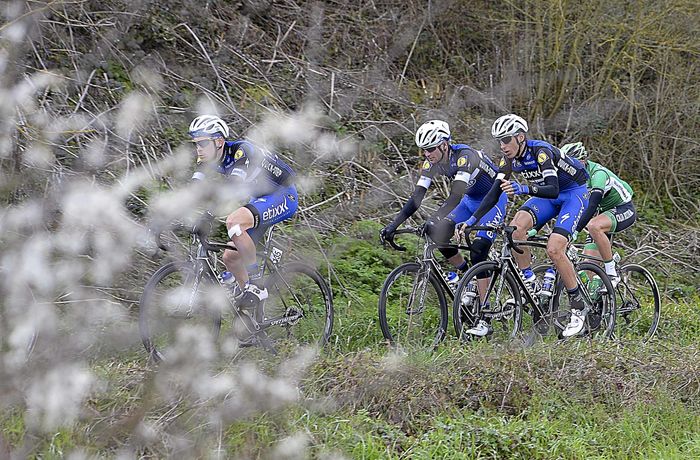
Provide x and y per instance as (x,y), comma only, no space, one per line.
(271,213)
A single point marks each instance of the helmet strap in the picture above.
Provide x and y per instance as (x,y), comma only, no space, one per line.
(443,152)
(521,148)
(220,150)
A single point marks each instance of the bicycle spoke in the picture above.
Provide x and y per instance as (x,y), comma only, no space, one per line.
(497,305)
(299,306)
(412,308)
(639,304)
(176,300)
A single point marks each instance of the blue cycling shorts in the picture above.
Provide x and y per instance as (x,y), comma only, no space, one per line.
(469,205)
(567,208)
(272,209)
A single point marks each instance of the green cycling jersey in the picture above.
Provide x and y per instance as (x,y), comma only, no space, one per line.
(615,191)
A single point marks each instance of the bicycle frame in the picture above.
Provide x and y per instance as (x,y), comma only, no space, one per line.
(573,255)
(428,263)
(204,267)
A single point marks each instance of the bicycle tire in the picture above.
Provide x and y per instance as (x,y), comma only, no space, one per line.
(600,298)
(638,304)
(296,288)
(159,322)
(406,327)
(505,310)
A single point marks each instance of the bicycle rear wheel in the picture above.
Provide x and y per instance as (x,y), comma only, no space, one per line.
(300,299)
(638,304)
(598,296)
(178,306)
(412,308)
(499,305)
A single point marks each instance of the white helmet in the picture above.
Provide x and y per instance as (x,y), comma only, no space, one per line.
(575,150)
(432,133)
(208,125)
(508,125)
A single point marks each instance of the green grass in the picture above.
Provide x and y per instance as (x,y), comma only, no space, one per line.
(576,399)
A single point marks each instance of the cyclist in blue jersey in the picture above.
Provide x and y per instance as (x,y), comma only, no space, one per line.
(558,190)
(472,174)
(267,179)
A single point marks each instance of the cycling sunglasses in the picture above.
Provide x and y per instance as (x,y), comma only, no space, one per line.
(432,149)
(505,139)
(203,143)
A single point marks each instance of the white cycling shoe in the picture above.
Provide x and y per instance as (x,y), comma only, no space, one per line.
(482,329)
(251,297)
(575,325)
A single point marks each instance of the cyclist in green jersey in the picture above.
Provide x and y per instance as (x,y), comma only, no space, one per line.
(611,198)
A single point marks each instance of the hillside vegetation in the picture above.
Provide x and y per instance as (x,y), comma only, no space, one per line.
(95,101)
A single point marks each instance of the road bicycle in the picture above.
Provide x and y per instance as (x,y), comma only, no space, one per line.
(413,302)
(504,298)
(187,297)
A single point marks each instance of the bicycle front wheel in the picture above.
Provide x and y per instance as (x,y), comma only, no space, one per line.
(300,304)
(638,304)
(488,293)
(412,308)
(177,306)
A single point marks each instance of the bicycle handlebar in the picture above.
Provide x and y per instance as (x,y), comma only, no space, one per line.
(477,228)
(415,230)
(201,230)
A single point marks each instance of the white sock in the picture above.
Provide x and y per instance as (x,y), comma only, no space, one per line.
(610,268)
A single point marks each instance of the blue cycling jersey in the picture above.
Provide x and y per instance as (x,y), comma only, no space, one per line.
(541,160)
(263,171)
(269,182)
(464,164)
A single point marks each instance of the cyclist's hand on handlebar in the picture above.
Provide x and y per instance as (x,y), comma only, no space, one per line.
(387,234)
(464,228)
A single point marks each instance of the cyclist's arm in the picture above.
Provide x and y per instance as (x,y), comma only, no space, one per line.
(597,186)
(456,193)
(550,189)
(410,207)
(593,202)
(505,172)
(490,199)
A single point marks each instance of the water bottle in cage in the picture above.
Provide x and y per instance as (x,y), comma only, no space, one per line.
(226,278)
(470,292)
(452,280)
(229,282)
(548,283)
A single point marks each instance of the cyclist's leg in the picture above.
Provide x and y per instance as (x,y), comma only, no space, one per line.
(535,212)
(602,226)
(459,214)
(572,204)
(484,239)
(262,212)
(590,248)
(238,223)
